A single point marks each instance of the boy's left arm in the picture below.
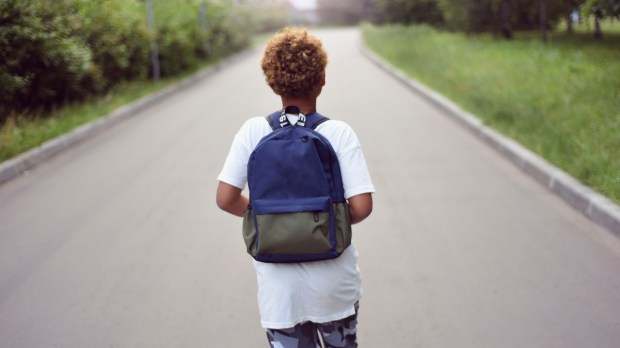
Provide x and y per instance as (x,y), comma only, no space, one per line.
(230,199)
(360,206)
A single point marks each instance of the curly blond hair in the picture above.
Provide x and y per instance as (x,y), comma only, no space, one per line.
(294,63)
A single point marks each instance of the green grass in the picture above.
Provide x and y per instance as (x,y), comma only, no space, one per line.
(560,99)
(26,131)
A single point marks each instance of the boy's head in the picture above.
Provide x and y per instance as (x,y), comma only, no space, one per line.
(294,63)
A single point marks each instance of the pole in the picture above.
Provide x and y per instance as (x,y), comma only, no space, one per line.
(154,50)
(203,24)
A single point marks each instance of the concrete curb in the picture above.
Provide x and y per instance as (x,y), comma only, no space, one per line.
(21,164)
(595,206)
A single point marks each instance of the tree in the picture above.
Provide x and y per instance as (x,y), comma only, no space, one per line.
(601,9)
(570,6)
(475,16)
(608,8)
(408,11)
(341,11)
(501,16)
(543,19)
(505,14)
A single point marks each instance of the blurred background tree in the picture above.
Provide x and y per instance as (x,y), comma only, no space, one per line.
(475,16)
(600,9)
(407,11)
(500,15)
(265,16)
(341,12)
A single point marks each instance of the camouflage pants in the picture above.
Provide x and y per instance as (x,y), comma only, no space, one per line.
(334,334)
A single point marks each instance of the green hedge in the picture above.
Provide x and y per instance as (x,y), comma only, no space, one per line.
(117,34)
(53,52)
(42,61)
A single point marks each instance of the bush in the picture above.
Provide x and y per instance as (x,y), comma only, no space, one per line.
(43,63)
(117,33)
(179,36)
(231,30)
(183,43)
(65,50)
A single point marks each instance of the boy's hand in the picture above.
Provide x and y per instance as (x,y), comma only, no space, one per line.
(360,207)
(230,199)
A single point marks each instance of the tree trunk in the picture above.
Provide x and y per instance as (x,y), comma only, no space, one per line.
(154,49)
(569,17)
(543,19)
(598,33)
(505,15)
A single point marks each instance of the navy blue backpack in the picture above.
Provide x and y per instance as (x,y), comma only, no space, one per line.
(297,210)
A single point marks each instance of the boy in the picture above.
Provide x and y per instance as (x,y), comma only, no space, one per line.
(299,301)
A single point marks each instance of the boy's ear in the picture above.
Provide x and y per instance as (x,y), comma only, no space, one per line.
(323,80)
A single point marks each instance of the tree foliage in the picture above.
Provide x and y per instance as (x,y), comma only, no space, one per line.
(605,8)
(341,11)
(601,9)
(502,16)
(494,15)
(264,18)
(408,11)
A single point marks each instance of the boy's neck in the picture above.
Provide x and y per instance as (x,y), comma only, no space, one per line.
(306,105)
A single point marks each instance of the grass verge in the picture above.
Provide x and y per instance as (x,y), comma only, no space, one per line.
(559,99)
(26,131)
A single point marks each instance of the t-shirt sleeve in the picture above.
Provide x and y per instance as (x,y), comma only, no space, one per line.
(234,171)
(355,176)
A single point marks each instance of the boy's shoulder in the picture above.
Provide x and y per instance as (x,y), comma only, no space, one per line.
(340,134)
(336,131)
(261,123)
(255,122)
(255,127)
(336,125)
(337,128)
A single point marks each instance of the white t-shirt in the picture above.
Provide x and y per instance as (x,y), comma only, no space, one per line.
(320,291)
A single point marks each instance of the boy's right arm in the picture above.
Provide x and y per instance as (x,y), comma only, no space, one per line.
(230,199)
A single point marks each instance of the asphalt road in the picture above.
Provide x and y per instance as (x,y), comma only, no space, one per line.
(117,242)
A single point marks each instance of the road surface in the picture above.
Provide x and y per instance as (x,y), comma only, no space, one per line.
(117,242)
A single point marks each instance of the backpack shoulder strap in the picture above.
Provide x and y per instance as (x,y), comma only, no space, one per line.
(314,120)
(274,120)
